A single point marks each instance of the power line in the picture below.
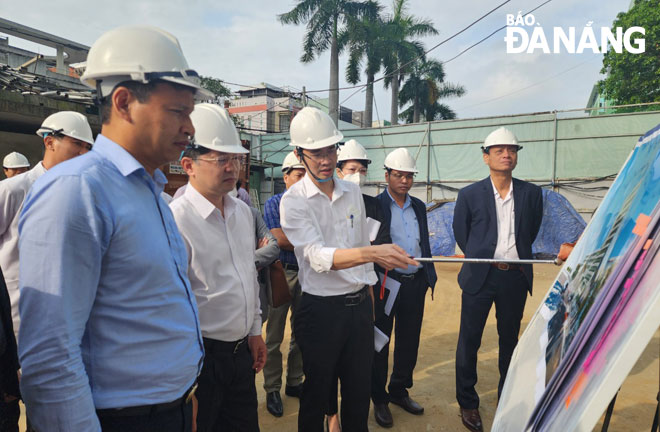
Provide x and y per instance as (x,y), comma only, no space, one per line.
(527,87)
(359,86)
(490,35)
(425,52)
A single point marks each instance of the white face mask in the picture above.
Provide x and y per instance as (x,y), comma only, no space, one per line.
(357,178)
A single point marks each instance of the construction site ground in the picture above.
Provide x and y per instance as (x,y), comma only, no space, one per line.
(434,379)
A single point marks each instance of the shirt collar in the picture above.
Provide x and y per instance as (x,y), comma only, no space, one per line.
(124,161)
(497,194)
(311,189)
(205,207)
(405,204)
(39,168)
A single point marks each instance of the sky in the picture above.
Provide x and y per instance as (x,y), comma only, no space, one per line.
(242,42)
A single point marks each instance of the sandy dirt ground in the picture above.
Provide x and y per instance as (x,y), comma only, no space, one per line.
(434,377)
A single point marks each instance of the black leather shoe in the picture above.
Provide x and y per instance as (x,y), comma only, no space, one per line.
(408,404)
(472,419)
(274,404)
(383,415)
(293,391)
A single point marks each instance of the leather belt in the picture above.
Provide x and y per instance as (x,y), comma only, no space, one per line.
(293,267)
(148,409)
(212,346)
(507,266)
(405,276)
(352,299)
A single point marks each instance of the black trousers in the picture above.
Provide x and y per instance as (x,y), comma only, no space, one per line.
(176,419)
(336,340)
(227,394)
(9,414)
(508,290)
(406,317)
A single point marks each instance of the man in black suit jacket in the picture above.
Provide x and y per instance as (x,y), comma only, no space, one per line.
(405,216)
(498,217)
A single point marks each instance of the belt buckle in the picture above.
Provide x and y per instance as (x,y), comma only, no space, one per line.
(352,299)
(238,344)
(503,266)
(191,392)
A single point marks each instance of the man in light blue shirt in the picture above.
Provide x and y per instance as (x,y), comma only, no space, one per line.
(406,216)
(110,335)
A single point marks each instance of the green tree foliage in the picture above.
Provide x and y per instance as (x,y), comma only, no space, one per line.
(423,89)
(325,19)
(402,30)
(215,86)
(635,78)
(368,45)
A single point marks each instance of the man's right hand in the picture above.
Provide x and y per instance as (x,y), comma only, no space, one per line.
(391,256)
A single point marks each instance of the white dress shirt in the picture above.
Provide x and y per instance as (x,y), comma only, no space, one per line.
(506,225)
(220,264)
(316,226)
(12,194)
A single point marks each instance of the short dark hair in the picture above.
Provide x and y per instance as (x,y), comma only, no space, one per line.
(194,151)
(363,162)
(141,91)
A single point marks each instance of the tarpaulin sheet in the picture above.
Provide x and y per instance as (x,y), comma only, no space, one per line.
(561,224)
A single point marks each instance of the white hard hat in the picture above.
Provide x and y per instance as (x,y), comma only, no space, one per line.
(353,150)
(501,136)
(313,129)
(69,123)
(15,160)
(401,160)
(138,53)
(215,130)
(291,162)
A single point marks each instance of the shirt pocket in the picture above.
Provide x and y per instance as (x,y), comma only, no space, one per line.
(353,227)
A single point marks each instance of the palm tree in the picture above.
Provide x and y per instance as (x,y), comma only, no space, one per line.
(325,19)
(401,30)
(423,88)
(366,40)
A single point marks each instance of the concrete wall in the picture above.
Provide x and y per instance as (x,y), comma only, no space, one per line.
(21,116)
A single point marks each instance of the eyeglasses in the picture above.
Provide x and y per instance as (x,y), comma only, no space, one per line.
(399,176)
(82,144)
(361,170)
(319,155)
(224,161)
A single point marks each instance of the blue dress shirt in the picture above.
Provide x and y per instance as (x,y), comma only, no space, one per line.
(272,219)
(109,319)
(404,230)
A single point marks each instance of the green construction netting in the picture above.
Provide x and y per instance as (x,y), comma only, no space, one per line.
(448,151)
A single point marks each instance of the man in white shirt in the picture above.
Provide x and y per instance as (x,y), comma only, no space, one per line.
(66,134)
(325,221)
(219,234)
(14,164)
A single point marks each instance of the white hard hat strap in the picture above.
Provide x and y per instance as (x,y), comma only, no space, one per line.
(304,161)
